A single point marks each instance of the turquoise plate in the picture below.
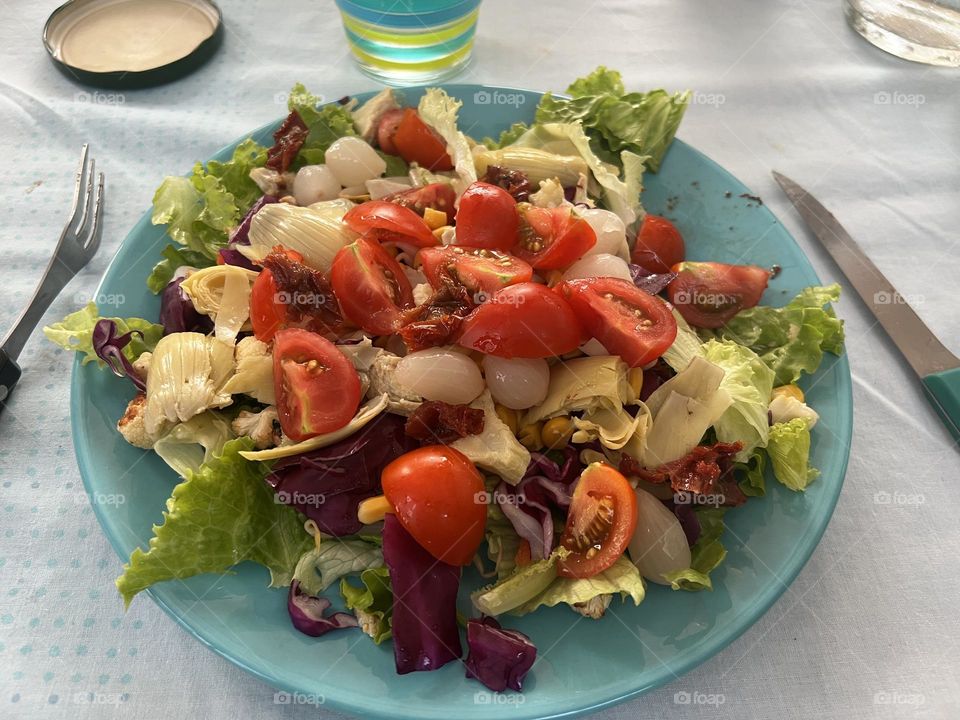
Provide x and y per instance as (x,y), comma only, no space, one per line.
(583,665)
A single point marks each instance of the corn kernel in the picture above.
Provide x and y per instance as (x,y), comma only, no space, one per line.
(529,437)
(373,509)
(507,416)
(556,432)
(435,219)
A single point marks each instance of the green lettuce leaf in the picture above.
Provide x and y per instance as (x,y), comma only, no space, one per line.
(333,558)
(507,137)
(219,517)
(751,473)
(791,340)
(325,124)
(75,332)
(372,603)
(789,450)
(621,578)
(705,555)
(749,382)
(521,586)
(685,347)
(502,539)
(440,111)
(641,123)
(173,258)
(396,165)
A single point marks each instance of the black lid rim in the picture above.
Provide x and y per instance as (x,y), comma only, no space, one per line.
(132,79)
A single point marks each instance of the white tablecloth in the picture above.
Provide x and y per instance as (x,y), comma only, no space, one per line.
(869,629)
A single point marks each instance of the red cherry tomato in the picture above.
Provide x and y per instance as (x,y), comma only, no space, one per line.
(602,518)
(527,320)
(438,497)
(487,217)
(267,313)
(387,129)
(389,222)
(627,321)
(439,196)
(477,269)
(318,390)
(417,142)
(659,245)
(552,238)
(371,287)
(708,294)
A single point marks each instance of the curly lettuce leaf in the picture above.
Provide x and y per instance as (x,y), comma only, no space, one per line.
(440,111)
(789,451)
(372,603)
(216,518)
(705,555)
(173,258)
(333,558)
(507,137)
(642,123)
(75,332)
(791,340)
(621,578)
(325,124)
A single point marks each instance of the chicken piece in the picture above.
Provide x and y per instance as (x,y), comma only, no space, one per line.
(132,425)
(262,427)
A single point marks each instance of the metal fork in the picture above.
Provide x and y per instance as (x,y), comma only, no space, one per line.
(78,244)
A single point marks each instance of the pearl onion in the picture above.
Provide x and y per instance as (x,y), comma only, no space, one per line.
(353,161)
(518,383)
(438,374)
(603,265)
(610,230)
(315,183)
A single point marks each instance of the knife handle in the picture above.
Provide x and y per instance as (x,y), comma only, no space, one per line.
(943,392)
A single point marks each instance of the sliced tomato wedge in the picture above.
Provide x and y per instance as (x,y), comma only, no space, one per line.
(387,129)
(389,222)
(659,245)
(417,142)
(371,287)
(526,320)
(552,238)
(437,495)
(627,321)
(708,294)
(267,313)
(317,387)
(603,515)
(487,217)
(477,269)
(439,196)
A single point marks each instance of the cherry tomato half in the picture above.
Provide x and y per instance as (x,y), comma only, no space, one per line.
(477,269)
(371,287)
(487,217)
(387,129)
(602,518)
(627,321)
(659,245)
(318,390)
(417,142)
(437,494)
(439,196)
(389,222)
(708,294)
(552,238)
(527,320)
(267,313)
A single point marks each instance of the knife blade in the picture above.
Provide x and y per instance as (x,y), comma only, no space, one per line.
(936,366)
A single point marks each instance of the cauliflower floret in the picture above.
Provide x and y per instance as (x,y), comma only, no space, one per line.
(422,293)
(132,425)
(254,374)
(261,427)
(367,117)
(271,182)
(369,623)
(593,608)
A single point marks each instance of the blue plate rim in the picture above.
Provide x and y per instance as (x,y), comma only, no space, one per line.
(359,706)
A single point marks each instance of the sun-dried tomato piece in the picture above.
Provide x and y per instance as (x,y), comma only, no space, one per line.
(514,182)
(287,141)
(705,470)
(437,322)
(307,296)
(439,422)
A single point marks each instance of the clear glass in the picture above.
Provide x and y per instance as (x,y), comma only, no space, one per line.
(405,42)
(926,31)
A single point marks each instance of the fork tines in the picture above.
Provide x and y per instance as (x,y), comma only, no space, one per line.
(85,227)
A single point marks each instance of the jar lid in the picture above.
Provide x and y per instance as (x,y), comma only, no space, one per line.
(132,43)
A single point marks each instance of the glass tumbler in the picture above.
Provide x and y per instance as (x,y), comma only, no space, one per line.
(926,31)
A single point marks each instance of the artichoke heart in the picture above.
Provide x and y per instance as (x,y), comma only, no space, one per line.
(222,292)
(586,383)
(315,231)
(187,374)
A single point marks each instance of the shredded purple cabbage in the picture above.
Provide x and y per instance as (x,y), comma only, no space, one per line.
(109,347)
(241,234)
(688,521)
(425,634)
(498,658)
(653,283)
(328,484)
(177,313)
(529,505)
(307,613)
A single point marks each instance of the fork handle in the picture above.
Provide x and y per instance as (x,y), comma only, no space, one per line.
(9,374)
(54,280)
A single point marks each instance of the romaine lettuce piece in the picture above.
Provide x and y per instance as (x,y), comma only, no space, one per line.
(789,450)
(621,578)
(439,111)
(334,558)
(372,603)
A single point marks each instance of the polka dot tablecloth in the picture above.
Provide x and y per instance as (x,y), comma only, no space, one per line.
(869,628)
